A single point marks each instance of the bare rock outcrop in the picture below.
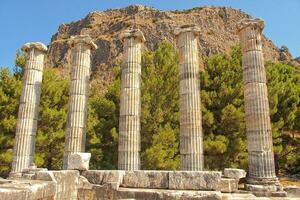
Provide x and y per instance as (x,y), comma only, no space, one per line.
(217,25)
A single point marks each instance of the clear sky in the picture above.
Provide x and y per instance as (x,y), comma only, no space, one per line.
(24,21)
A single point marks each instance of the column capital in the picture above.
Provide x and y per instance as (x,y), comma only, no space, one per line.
(34,45)
(256,23)
(187,28)
(136,33)
(82,39)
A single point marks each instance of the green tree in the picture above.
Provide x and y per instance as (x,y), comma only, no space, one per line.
(159,120)
(52,121)
(223,111)
(10,90)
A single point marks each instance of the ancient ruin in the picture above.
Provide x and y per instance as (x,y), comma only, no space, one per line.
(28,110)
(258,124)
(191,147)
(80,78)
(130,102)
(129,181)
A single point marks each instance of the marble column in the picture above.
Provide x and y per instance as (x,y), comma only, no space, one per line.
(130,101)
(81,47)
(258,124)
(191,145)
(23,155)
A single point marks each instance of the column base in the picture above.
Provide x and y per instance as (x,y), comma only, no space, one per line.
(15,175)
(262,181)
(265,187)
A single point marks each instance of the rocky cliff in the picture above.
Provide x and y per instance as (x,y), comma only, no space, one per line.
(218,25)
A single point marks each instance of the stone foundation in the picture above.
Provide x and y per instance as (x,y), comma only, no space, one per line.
(135,185)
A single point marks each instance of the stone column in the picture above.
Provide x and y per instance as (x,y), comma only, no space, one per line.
(77,113)
(258,124)
(191,145)
(130,101)
(23,156)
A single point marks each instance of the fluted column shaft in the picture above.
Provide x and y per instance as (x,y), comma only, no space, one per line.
(77,113)
(191,146)
(258,124)
(24,146)
(130,102)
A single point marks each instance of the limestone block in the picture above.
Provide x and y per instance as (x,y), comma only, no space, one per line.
(228,185)
(79,161)
(83,183)
(234,173)
(292,191)
(261,188)
(160,194)
(146,179)
(194,180)
(105,177)
(66,182)
(27,189)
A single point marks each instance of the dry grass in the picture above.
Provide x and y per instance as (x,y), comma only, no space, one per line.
(288,182)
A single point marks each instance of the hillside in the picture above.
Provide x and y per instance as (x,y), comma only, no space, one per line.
(218,35)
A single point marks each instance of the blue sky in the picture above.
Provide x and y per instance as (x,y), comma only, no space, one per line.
(23,21)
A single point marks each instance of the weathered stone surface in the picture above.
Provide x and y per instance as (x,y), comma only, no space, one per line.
(112,178)
(258,124)
(234,173)
(228,185)
(154,194)
(261,190)
(27,190)
(79,161)
(82,45)
(146,179)
(191,144)
(130,101)
(66,182)
(292,191)
(23,155)
(188,180)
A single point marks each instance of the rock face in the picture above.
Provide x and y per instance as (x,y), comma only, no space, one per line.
(217,25)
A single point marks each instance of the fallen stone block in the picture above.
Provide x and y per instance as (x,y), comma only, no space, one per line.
(79,161)
(234,173)
(194,180)
(146,179)
(228,185)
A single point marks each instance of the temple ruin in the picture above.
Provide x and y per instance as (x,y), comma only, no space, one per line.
(129,181)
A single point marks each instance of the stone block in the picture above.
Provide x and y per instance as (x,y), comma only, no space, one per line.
(27,189)
(79,161)
(112,178)
(234,173)
(292,191)
(66,182)
(146,179)
(83,183)
(228,185)
(194,180)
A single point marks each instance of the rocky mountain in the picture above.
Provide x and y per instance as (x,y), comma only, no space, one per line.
(218,25)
